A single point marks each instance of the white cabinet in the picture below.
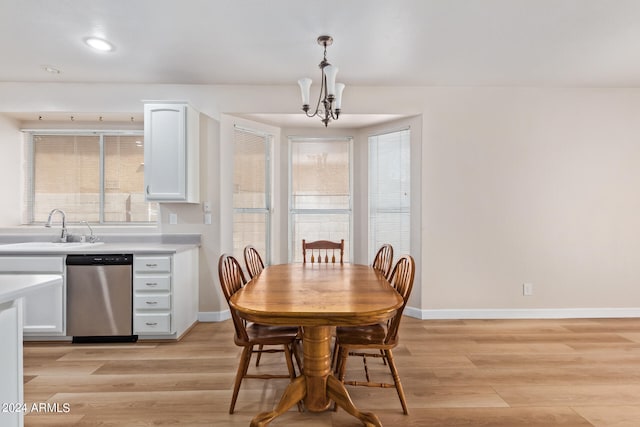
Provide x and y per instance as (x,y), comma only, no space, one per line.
(44,309)
(171,152)
(11,369)
(165,294)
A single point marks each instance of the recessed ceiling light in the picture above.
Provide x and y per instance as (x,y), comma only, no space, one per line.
(99,44)
(50,69)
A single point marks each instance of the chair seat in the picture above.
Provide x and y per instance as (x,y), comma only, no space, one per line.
(361,335)
(268,334)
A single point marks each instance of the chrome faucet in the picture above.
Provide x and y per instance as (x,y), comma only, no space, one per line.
(91,238)
(63,236)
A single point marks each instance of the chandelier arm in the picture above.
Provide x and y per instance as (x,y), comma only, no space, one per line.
(320,97)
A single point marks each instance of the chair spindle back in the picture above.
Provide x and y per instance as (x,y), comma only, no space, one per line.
(384,259)
(232,280)
(253,261)
(321,248)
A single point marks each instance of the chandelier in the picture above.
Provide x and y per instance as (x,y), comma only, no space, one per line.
(330,99)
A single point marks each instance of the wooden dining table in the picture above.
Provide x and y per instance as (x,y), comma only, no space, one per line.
(317,297)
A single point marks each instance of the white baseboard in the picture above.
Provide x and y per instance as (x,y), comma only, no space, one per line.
(213,316)
(500,313)
(523,313)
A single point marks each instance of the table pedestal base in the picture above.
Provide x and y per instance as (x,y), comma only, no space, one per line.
(317,387)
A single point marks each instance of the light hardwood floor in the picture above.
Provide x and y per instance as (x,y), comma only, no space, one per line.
(583,372)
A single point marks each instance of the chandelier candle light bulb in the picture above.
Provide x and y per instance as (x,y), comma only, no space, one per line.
(337,103)
(330,91)
(305,89)
(330,72)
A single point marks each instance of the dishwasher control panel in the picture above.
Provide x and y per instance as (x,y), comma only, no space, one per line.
(110,259)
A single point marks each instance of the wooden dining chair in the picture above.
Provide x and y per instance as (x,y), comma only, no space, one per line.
(367,341)
(384,259)
(253,261)
(320,249)
(248,335)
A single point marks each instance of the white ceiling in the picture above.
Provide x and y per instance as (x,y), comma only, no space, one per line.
(592,43)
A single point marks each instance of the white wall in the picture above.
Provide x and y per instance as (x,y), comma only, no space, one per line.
(531,185)
(10,170)
(518,184)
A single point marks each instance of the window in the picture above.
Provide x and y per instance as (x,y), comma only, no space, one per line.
(320,193)
(389,191)
(95,177)
(251,192)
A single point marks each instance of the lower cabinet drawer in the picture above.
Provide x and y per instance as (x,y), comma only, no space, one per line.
(150,282)
(150,264)
(152,323)
(152,302)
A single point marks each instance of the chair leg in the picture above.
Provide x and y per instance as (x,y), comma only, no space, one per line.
(259,355)
(334,357)
(396,380)
(296,349)
(243,366)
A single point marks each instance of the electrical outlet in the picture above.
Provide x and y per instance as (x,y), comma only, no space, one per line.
(527,289)
(173,218)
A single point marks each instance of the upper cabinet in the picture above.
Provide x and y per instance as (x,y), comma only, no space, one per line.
(171,151)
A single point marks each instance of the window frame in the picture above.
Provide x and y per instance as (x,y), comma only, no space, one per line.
(29,190)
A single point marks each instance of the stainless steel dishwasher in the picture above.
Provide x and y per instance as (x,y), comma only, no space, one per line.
(100,298)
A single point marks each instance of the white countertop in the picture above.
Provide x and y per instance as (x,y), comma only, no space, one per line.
(13,286)
(48,248)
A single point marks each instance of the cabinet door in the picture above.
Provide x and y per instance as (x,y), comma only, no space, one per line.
(44,310)
(165,152)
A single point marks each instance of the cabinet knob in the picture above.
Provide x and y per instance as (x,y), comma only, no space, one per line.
(151,265)
(152,283)
(152,302)
(151,323)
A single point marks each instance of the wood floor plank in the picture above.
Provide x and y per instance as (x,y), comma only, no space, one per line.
(556,360)
(62,368)
(168,366)
(130,382)
(610,416)
(571,395)
(493,417)
(535,375)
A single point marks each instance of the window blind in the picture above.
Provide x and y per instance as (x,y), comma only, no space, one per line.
(96,177)
(390,191)
(320,192)
(251,192)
